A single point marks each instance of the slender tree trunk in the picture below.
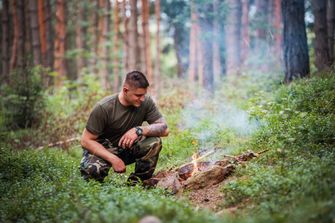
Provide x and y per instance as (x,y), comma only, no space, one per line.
(262,15)
(59,62)
(35,32)
(134,59)
(233,37)
(103,24)
(16,30)
(193,45)
(216,42)
(80,35)
(125,37)
(116,58)
(42,31)
(277,24)
(158,46)
(5,41)
(245,31)
(295,41)
(330,26)
(206,30)
(93,34)
(146,33)
(322,59)
(49,34)
(199,55)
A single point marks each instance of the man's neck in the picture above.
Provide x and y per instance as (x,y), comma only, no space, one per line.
(122,99)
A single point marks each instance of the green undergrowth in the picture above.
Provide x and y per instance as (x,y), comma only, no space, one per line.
(41,186)
(294,180)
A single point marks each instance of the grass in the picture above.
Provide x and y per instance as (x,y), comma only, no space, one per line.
(292,182)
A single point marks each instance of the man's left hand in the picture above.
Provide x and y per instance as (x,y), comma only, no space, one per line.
(128,139)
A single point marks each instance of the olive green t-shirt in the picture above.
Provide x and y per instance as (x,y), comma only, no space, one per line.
(110,119)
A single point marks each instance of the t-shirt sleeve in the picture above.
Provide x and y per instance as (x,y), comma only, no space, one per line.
(97,120)
(152,113)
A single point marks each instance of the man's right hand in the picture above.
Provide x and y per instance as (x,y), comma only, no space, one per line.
(118,165)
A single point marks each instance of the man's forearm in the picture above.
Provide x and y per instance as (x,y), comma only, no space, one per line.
(99,150)
(156,129)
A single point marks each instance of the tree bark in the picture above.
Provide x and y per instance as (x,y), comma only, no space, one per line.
(5,41)
(216,41)
(295,41)
(35,32)
(59,48)
(158,47)
(116,60)
(80,35)
(206,39)
(262,18)
(322,60)
(245,31)
(42,31)
(134,54)
(233,37)
(125,37)
(330,28)
(277,24)
(193,45)
(49,34)
(146,33)
(103,29)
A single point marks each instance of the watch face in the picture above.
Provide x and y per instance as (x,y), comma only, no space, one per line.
(139,131)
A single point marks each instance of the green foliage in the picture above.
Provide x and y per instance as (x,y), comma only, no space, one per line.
(46,186)
(298,170)
(22,99)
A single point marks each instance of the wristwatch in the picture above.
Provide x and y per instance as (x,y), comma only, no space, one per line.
(139,131)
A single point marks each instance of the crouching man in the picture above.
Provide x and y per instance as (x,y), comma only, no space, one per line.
(114,135)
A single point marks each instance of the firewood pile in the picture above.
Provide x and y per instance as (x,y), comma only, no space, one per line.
(198,174)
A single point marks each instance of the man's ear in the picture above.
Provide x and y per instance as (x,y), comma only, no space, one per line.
(125,90)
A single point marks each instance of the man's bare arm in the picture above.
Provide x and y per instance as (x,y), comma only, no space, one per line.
(158,128)
(88,141)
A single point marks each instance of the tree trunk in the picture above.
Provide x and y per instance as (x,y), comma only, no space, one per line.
(295,41)
(262,14)
(233,37)
(193,45)
(35,32)
(116,58)
(93,34)
(146,33)
(125,37)
(216,42)
(245,31)
(206,39)
(330,26)
(103,28)
(5,41)
(80,35)
(59,62)
(134,54)
(49,34)
(42,31)
(158,47)
(322,59)
(16,30)
(277,24)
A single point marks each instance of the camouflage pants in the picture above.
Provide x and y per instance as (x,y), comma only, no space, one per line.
(144,153)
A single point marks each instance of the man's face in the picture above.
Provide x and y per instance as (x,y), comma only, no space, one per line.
(135,96)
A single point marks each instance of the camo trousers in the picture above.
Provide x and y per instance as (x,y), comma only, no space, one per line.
(144,153)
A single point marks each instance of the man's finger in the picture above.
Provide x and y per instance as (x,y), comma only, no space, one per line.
(121,141)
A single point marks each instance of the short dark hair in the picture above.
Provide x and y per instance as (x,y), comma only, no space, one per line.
(136,79)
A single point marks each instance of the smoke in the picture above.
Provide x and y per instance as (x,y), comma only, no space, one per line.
(209,118)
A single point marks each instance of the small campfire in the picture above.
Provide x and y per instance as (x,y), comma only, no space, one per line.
(198,174)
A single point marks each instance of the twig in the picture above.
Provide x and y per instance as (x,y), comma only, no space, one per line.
(59,143)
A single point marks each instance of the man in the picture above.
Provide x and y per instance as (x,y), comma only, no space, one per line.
(114,135)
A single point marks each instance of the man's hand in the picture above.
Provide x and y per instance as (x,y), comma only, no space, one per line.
(118,165)
(128,139)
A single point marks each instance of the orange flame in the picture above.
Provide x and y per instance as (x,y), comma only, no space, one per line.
(195,157)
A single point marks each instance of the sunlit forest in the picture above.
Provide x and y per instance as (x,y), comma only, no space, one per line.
(245,87)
